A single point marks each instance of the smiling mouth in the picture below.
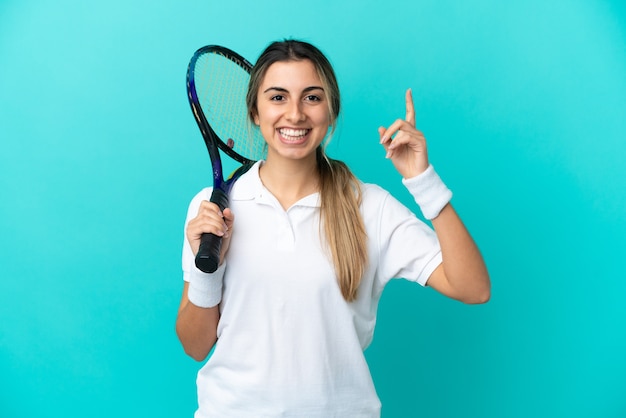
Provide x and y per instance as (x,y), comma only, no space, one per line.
(293,135)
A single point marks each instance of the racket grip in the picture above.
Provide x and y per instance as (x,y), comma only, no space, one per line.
(208,257)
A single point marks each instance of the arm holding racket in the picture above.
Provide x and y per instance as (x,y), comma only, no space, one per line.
(463,274)
(217,80)
(196,324)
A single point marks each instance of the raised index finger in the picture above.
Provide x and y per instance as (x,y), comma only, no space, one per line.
(410,109)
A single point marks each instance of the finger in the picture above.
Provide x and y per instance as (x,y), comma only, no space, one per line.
(394,128)
(381,134)
(208,207)
(410,108)
(209,219)
(385,141)
(398,142)
(206,225)
(214,226)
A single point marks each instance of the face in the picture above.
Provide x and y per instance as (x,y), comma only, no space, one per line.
(292,110)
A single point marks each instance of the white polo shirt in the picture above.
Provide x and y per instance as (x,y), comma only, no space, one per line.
(289,345)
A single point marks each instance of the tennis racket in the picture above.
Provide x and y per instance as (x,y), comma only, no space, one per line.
(217,83)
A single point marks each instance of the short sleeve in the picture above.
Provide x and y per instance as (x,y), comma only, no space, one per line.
(408,247)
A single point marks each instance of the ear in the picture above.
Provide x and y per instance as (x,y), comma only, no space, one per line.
(256,119)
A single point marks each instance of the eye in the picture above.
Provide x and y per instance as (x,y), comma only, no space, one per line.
(277,98)
(312,98)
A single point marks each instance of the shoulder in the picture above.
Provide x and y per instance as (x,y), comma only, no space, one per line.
(244,188)
(248,185)
(372,196)
(374,200)
(378,203)
(204,194)
(372,190)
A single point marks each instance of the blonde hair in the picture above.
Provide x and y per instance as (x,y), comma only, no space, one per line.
(340,191)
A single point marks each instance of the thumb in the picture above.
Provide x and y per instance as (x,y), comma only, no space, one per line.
(229,217)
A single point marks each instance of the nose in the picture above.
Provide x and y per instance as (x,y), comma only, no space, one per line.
(295,113)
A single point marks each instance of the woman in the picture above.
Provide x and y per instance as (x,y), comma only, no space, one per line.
(307,251)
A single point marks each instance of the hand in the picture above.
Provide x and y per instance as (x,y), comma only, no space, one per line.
(210,220)
(405,145)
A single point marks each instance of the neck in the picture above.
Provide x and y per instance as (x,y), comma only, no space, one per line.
(290,180)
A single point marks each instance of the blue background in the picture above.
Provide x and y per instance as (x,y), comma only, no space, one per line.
(524,107)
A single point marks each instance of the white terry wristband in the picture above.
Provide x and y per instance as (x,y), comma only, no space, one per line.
(205,289)
(429,192)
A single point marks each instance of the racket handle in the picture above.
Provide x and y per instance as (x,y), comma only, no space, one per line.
(208,257)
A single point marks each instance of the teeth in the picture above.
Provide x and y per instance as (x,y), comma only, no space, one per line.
(294,133)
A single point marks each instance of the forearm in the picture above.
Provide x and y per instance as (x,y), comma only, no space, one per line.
(465,273)
(196,328)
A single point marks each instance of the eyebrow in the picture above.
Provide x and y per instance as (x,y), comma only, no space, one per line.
(284,90)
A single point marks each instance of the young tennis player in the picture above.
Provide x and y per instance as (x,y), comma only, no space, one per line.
(307,251)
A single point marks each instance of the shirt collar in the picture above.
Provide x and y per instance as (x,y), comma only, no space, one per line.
(250,187)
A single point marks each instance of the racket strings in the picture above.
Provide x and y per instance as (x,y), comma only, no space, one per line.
(221,85)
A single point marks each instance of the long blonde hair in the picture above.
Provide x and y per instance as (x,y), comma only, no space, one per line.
(340,191)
